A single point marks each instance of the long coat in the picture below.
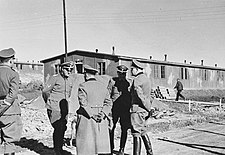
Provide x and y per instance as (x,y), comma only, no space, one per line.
(141,101)
(10,120)
(93,138)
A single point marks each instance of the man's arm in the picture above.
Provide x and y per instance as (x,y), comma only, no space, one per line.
(48,87)
(107,105)
(82,98)
(13,90)
(146,100)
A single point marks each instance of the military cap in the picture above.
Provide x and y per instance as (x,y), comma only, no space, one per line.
(89,69)
(68,64)
(136,63)
(122,69)
(7,53)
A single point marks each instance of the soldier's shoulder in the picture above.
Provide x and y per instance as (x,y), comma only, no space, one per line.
(115,78)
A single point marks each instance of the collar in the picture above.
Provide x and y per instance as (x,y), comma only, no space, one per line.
(4,65)
(139,74)
(91,79)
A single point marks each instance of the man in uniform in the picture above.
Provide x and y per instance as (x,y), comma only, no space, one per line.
(10,112)
(58,89)
(141,106)
(92,134)
(119,91)
(179,87)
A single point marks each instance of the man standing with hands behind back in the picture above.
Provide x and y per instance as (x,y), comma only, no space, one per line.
(10,112)
(92,136)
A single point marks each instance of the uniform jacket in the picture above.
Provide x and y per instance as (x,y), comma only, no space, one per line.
(57,88)
(179,86)
(141,92)
(56,94)
(9,87)
(93,138)
(119,92)
(141,103)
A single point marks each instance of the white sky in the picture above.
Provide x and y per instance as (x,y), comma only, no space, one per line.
(189,30)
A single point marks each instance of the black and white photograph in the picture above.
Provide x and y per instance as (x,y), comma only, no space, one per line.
(112,77)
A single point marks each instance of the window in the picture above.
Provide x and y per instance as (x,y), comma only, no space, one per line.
(79,68)
(163,72)
(156,71)
(204,74)
(220,76)
(101,68)
(184,73)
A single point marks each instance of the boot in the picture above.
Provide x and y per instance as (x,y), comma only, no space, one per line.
(112,140)
(147,144)
(121,151)
(137,146)
(123,139)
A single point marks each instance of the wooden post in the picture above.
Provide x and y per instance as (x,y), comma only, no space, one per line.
(220,104)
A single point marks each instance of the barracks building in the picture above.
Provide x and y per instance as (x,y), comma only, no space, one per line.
(161,73)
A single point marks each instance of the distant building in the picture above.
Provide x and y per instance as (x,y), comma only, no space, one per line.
(161,73)
(29,71)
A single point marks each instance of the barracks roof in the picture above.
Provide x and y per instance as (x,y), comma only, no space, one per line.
(128,58)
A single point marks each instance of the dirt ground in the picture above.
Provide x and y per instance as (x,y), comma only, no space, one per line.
(186,132)
(183,133)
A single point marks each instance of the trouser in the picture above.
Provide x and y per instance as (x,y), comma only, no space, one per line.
(137,144)
(58,133)
(139,131)
(125,125)
(10,131)
(179,95)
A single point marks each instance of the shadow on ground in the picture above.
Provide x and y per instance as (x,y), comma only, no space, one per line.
(206,148)
(36,146)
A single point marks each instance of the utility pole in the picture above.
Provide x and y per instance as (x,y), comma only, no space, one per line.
(65,36)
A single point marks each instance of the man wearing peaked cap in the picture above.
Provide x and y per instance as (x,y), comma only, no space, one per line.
(89,69)
(119,92)
(122,69)
(141,101)
(68,64)
(138,64)
(7,53)
(10,112)
(93,115)
(59,88)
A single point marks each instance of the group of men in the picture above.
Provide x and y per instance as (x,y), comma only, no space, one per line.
(129,102)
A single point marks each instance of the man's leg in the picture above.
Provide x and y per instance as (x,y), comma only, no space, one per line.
(136,145)
(115,119)
(123,140)
(181,96)
(58,135)
(177,96)
(147,144)
(9,134)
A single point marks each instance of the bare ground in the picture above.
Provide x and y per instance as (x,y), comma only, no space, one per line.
(37,131)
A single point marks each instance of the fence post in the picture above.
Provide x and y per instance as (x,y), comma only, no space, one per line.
(189,105)
(220,104)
